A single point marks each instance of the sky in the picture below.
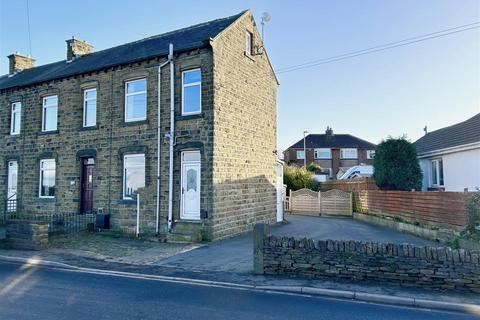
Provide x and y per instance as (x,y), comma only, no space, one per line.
(433,83)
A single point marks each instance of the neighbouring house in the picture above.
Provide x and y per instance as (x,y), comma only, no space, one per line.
(186,119)
(335,153)
(450,157)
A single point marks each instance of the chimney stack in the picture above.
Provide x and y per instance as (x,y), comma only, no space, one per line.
(18,62)
(77,48)
(329,131)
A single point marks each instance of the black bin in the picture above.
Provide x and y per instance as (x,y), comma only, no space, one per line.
(102,221)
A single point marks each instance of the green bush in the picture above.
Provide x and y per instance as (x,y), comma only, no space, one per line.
(472,204)
(314,168)
(297,178)
(396,165)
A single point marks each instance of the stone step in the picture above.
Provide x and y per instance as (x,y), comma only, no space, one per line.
(182,237)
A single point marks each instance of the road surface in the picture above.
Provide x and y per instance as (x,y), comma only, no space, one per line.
(28,292)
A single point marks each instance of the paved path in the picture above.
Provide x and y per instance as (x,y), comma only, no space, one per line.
(41,293)
(236,255)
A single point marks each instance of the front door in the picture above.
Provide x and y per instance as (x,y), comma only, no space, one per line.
(12,186)
(190,188)
(86,204)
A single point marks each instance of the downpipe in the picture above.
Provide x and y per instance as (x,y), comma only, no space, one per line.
(159,99)
(171,137)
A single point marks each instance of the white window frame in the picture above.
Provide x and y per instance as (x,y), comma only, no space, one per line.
(134,94)
(317,151)
(248,43)
(16,114)
(344,150)
(48,107)
(85,102)
(41,176)
(369,154)
(132,155)
(298,158)
(436,173)
(198,83)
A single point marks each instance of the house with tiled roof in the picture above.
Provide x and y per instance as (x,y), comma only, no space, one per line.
(172,121)
(334,153)
(450,157)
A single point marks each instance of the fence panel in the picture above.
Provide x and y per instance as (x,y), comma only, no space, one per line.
(305,201)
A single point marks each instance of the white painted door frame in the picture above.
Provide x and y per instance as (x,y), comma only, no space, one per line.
(190,185)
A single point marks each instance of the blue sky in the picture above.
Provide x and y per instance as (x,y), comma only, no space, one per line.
(393,92)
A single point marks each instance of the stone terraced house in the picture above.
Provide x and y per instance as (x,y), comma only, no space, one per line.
(198,144)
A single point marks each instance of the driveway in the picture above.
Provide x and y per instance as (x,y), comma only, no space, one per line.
(235,255)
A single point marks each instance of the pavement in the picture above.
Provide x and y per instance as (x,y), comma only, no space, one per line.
(230,261)
(32,292)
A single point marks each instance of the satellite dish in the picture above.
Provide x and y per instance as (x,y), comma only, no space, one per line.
(265,17)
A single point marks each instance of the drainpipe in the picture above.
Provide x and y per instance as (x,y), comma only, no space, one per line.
(171,138)
(159,95)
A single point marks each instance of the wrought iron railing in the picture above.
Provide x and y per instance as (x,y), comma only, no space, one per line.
(58,223)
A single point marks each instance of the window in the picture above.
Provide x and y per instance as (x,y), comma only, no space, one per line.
(370,154)
(437,173)
(348,153)
(248,43)
(136,100)
(16,118)
(300,154)
(133,174)
(191,92)
(47,178)
(50,113)
(323,153)
(90,107)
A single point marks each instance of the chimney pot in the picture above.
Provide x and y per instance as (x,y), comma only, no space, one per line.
(19,62)
(329,131)
(77,48)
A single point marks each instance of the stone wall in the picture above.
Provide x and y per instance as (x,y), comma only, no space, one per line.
(406,265)
(244,138)
(26,235)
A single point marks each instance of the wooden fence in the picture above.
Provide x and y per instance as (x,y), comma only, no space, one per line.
(441,209)
(306,201)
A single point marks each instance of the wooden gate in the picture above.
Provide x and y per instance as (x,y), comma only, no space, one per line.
(305,201)
(332,202)
(336,203)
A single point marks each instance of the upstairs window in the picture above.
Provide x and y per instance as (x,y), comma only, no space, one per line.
(348,153)
(437,173)
(133,174)
(248,43)
(191,92)
(300,154)
(50,113)
(370,154)
(47,178)
(90,107)
(323,153)
(16,118)
(136,100)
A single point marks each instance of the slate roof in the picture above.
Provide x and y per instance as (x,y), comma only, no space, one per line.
(186,39)
(333,141)
(458,134)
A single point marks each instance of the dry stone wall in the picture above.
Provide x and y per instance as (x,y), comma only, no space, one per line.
(406,265)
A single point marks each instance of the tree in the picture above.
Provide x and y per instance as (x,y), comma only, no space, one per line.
(314,168)
(297,178)
(396,165)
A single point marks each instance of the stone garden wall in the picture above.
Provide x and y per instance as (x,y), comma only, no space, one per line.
(26,235)
(406,265)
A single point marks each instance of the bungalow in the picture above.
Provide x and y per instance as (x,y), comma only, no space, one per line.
(450,157)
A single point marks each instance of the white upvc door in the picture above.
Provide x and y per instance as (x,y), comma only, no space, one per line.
(12,186)
(190,186)
(280,195)
(12,180)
